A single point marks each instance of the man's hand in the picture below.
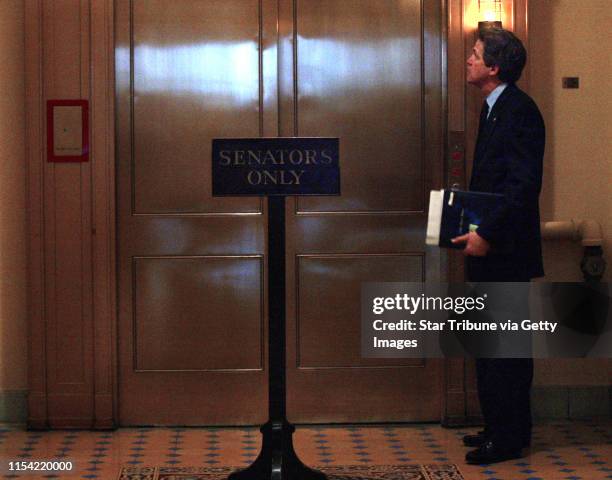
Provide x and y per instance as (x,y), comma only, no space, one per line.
(475,245)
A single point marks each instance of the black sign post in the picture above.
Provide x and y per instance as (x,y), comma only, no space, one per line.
(276,167)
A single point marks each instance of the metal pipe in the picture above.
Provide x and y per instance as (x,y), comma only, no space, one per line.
(589,232)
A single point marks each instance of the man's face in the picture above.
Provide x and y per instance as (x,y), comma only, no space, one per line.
(477,72)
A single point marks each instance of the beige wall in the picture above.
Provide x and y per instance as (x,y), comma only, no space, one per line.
(569,38)
(13,362)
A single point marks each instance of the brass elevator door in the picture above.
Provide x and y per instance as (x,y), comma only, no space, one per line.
(192,278)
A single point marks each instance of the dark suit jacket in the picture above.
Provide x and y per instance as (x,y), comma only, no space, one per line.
(508,160)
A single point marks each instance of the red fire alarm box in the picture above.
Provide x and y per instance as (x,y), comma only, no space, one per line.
(67,131)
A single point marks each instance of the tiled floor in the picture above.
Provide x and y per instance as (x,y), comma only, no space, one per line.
(572,450)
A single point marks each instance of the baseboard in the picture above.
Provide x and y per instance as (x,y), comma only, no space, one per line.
(571,402)
(547,402)
(13,406)
(556,403)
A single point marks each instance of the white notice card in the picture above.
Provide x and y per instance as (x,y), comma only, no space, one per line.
(68,130)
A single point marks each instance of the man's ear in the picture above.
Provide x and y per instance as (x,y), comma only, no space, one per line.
(494,70)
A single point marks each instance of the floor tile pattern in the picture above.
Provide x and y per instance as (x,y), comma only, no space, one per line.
(568,450)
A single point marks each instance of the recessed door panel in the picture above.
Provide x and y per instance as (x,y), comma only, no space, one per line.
(358,77)
(190,310)
(329,306)
(195,74)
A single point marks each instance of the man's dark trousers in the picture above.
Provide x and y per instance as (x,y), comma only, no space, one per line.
(504,386)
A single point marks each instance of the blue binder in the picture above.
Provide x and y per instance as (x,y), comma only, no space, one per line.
(456,212)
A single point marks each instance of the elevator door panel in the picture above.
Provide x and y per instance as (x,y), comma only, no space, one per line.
(192,317)
(192,268)
(360,74)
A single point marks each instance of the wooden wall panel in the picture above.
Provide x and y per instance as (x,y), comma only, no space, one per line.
(35,116)
(67,221)
(101,107)
(71,276)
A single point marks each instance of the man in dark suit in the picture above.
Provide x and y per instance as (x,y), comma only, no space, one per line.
(506,247)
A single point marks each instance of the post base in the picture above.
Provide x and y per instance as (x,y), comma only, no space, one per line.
(277,459)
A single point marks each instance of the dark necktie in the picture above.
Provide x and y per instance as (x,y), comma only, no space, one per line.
(483,116)
(481,128)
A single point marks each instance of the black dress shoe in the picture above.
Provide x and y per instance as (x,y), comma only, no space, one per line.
(475,440)
(491,452)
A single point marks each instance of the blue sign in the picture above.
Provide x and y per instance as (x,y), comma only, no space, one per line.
(275,166)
